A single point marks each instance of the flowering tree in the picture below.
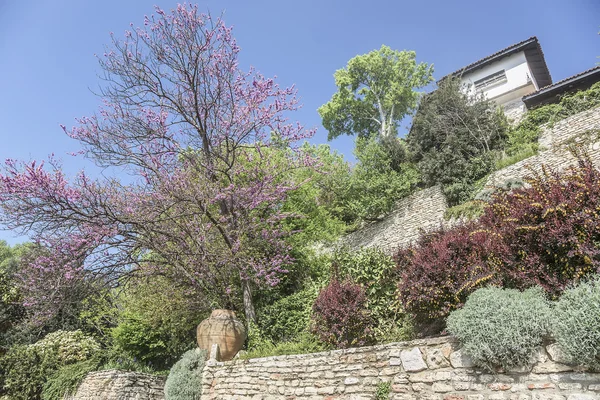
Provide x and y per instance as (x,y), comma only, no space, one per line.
(192,132)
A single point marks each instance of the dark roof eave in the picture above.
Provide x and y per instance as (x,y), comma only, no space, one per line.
(558,87)
(534,50)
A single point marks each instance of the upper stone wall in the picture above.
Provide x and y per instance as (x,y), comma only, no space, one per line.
(433,369)
(424,210)
(421,210)
(582,128)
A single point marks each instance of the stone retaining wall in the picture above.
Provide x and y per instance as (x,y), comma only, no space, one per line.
(582,128)
(422,210)
(433,369)
(120,385)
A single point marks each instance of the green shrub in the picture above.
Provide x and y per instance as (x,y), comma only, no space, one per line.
(524,137)
(377,274)
(576,323)
(28,367)
(501,327)
(259,347)
(469,210)
(383,391)
(185,378)
(157,322)
(24,373)
(67,347)
(65,381)
(289,317)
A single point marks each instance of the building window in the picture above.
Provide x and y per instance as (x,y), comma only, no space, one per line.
(490,80)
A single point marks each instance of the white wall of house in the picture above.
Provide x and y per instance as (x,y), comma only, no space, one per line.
(519,79)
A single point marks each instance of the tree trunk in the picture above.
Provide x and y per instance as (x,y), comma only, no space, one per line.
(248,304)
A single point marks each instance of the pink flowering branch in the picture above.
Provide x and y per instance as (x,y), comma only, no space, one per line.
(196,132)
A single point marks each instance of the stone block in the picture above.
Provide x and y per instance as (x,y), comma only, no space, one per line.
(351,380)
(435,358)
(412,360)
(459,359)
(582,396)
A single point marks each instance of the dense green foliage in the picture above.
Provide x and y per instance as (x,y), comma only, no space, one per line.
(381,176)
(375,92)
(501,327)
(260,346)
(377,274)
(523,138)
(317,205)
(29,366)
(157,321)
(289,317)
(455,139)
(65,381)
(576,323)
(185,379)
(11,308)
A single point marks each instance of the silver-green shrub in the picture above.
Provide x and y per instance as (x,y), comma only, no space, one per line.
(576,323)
(185,377)
(501,327)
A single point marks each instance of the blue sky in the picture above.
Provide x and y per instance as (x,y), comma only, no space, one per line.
(48,68)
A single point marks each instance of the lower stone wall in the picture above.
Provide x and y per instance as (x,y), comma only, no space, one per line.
(120,385)
(434,369)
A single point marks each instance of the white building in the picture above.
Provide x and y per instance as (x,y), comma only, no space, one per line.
(508,75)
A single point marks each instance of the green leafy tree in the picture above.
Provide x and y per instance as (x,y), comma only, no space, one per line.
(456,139)
(375,92)
(378,179)
(316,205)
(157,321)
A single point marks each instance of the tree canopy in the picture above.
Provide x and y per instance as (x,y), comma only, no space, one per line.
(191,127)
(454,139)
(375,92)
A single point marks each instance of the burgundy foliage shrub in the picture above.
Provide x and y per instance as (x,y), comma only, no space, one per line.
(547,234)
(443,268)
(550,231)
(340,315)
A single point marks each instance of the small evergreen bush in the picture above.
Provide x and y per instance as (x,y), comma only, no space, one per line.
(340,315)
(501,327)
(185,378)
(65,381)
(576,323)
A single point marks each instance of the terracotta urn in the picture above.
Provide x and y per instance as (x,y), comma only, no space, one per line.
(223,329)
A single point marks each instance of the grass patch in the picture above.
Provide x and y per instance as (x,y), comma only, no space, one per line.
(305,343)
(525,152)
(468,210)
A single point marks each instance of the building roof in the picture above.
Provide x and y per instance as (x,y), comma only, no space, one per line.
(533,54)
(549,93)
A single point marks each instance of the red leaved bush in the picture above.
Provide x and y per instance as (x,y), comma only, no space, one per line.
(443,268)
(547,234)
(340,315)
(550,231)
